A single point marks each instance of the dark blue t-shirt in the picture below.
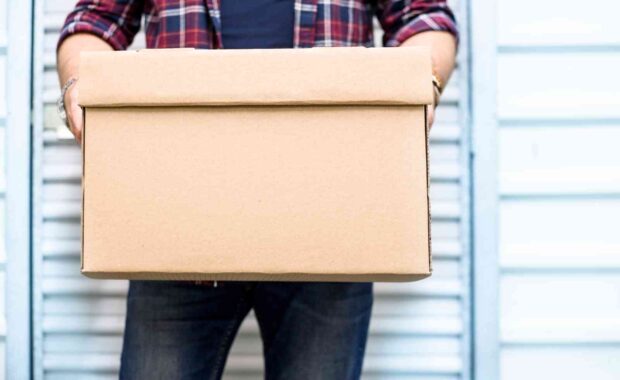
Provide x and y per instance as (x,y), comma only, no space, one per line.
(255,24)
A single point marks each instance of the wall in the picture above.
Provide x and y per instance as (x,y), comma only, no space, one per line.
(558,127)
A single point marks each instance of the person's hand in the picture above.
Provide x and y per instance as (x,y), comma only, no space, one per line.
(74,112)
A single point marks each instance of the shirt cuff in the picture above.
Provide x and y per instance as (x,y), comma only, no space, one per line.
(438,21)
(107,32)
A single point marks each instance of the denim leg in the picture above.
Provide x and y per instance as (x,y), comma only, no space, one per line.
(313,331)
(180,330)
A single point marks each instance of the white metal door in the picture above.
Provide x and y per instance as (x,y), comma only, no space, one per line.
(558,195)
(418,331)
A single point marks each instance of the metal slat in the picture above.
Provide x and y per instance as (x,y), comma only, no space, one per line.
(70,248)
(73,172)
(254,363)
(70,268)
(571,24)
(442,132)
(409,325)
(73,209)
(442,230)
(439,153)
(568,94)
(67,191)
(559,160)
(436,287)
(389,306)
(440,365)
(378,345)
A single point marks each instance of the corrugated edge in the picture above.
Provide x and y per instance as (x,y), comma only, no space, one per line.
(428,188)
(311,277)
(83,149)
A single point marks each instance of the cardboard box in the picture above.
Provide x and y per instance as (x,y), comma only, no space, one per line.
(288,165)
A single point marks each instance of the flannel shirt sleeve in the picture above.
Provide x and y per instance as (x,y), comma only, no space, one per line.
(401,19)
(115,21)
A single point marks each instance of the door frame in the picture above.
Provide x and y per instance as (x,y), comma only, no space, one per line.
(485,218)
(18,213)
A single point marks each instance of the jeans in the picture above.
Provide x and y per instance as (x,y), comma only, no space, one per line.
(184,330)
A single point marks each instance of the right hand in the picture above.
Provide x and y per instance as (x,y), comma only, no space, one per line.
(74,112)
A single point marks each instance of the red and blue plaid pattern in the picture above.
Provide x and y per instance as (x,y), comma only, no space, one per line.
(196,23)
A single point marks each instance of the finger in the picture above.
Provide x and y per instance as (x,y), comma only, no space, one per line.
(430,117)
(76,117)
(74,112)
(76,121)
(77,134)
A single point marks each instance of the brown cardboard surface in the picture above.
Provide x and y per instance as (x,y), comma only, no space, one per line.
(256,192)
(274,76)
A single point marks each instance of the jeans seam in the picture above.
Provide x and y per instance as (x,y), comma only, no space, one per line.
(225,341)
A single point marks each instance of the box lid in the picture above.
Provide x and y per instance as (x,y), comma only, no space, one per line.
(177,77)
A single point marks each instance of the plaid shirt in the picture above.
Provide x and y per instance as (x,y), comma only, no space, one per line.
(196,23)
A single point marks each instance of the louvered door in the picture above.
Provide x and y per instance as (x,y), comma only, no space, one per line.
(419,330)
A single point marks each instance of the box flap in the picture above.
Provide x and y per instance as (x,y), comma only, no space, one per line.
(177,77)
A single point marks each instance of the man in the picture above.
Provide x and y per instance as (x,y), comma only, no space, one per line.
(184,330)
